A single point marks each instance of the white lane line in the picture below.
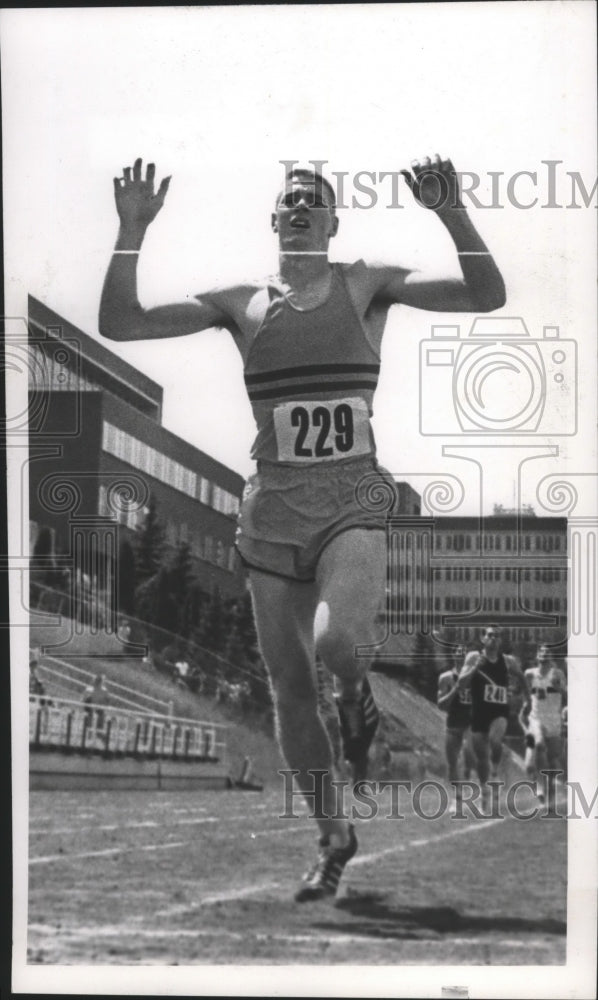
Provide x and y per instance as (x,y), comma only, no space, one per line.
(219,897)
(111,850)
(127,930)
(364,859)
(126,826)
(280,830)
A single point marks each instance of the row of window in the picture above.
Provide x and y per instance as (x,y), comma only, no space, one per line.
(410,539)
(460,602)
(466,574)
(498,575)
(203,546)
(498,543)
(147,459)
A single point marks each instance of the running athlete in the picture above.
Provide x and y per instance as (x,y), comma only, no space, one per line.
(456,702)
(543,722)
(310,339)
(486,674)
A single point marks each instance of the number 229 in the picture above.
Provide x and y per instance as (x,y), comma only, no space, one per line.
(320,418)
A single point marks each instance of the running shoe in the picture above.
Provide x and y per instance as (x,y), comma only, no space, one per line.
(323,878)
(359,720)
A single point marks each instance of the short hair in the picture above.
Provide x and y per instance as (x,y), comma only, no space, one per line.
(313,176)
(496,628)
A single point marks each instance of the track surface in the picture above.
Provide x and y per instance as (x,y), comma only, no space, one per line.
(158,878)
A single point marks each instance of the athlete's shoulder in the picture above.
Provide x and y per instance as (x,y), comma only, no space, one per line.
(372,276)
(446,677)
(230,290)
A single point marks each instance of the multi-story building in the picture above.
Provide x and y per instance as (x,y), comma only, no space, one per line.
(457,574)
(99,456)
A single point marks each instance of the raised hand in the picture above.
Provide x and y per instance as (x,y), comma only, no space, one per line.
(136,203)
(434,184)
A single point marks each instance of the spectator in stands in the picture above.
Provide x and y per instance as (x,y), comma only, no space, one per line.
(181,670)
(94,696)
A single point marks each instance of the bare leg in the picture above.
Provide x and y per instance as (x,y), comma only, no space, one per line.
(351,578)
(468,756)
(284,611)
(452,748)
(496,735)
(481,749)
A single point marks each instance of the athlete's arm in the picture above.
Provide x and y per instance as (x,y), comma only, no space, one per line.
(435,186)
(446,691)
(469,668)
(516,669)
(121,315)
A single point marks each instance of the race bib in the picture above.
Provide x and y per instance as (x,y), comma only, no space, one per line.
(495,695)
(465,696)
(322,430)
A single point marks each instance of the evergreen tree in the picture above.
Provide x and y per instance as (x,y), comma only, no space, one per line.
(181,580)
(126,579)
(211,630)
(43,567)
(150,544)
(164,610)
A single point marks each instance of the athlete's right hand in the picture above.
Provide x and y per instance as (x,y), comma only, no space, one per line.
(136,203)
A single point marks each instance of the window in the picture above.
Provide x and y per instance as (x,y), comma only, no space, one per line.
(527,575)
(497,542)
(527,543)
(507,574)
(468,541)
(508,543)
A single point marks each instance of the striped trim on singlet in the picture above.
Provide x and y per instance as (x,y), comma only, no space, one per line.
(310,378)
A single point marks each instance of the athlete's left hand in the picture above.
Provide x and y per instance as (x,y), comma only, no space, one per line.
(434,184)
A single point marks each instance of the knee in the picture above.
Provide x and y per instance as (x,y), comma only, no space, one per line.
(336,646)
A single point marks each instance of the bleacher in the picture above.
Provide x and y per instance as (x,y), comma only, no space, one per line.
(59,724)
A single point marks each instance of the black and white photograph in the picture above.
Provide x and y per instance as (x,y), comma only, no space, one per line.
(300,344)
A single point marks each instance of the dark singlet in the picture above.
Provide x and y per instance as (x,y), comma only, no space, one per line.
(310,376)
(489,688)
(459,713)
